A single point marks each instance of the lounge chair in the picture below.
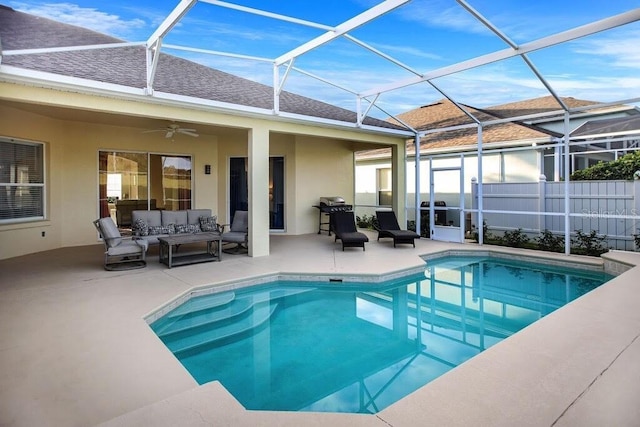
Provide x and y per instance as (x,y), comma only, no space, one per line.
(388,227)
(238,232)
(120,253)
(343,224)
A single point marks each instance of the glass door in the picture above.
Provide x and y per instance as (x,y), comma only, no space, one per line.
(446,204)
(239,189)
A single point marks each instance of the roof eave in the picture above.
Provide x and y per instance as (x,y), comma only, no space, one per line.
(42,79)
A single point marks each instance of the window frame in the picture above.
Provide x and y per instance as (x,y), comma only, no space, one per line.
(43,185)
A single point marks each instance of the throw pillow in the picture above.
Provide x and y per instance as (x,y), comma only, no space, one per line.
(209,223)
(187,228)
(140,228)
(161,229)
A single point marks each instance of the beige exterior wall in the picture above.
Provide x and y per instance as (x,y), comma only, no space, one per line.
(319,161)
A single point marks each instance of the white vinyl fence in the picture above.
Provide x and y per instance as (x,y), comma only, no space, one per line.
(612,208)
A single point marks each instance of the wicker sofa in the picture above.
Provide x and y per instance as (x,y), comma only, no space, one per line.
(149,225)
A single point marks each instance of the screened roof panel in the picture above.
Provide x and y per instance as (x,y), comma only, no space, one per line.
(389,51)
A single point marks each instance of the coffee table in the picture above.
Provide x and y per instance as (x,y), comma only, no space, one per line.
(169,249)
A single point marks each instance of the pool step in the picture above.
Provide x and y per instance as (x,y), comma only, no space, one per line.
(260,314)
(217,316)
(206,319)
(203,303)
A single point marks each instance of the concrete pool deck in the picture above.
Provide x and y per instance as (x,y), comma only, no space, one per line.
(75,349)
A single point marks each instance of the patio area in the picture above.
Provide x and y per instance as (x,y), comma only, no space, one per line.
(75,349)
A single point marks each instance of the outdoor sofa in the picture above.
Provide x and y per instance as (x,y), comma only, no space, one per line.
(150,225)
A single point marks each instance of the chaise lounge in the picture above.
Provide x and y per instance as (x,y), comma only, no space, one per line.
(388,227)
(343,224)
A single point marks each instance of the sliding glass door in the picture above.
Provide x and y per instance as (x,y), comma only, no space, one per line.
(130,181)
(239,189)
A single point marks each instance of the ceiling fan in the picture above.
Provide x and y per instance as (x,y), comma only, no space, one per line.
(173,129)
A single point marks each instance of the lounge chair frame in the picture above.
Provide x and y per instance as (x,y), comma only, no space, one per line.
(343,224)
(388,227)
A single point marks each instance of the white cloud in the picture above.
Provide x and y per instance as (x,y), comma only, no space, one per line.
(438,13)
(84,17)
(620,50)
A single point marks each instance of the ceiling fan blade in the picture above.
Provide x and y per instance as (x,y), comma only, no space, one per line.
(187,132)
(153,130)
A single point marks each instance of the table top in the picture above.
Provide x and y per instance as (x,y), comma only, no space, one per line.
(179,239)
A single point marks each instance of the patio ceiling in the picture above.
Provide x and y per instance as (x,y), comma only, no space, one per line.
(287,64)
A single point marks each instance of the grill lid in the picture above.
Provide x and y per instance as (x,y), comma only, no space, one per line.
(331,200)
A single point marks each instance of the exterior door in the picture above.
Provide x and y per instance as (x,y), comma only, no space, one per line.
(239,189)
(447,185)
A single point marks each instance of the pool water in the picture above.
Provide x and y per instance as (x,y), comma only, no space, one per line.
(343,347)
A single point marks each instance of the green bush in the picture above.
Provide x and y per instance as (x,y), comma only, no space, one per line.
(367,221)
(548,242)
(588,244)
(636,239)
(623,168)
(516,238)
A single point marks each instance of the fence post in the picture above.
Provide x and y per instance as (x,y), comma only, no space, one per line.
(474,203)
(636,204)
(542,202)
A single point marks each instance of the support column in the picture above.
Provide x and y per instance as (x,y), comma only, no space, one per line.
(258,175)
(567,173)
(416,142)
(480,192)
(399,181)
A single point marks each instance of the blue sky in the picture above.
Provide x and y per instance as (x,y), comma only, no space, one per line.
(424,34)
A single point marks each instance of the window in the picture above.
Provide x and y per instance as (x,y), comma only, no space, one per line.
(130,181)
(385,197)
(21,181)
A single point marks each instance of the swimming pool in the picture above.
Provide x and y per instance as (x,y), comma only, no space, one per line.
(359,347)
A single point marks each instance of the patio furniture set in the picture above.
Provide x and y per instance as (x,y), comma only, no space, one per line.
(172,229)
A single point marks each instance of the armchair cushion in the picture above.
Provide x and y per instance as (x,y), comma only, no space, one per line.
(110,232)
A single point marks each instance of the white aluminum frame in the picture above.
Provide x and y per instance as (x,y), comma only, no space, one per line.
(364,101)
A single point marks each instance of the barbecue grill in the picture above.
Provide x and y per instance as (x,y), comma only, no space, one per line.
(327,206)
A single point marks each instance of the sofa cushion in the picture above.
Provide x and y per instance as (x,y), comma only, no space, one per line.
(193,215)
(152,218)
(209,223)
(174,217)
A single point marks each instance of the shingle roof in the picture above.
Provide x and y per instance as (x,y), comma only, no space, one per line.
(444,114)
(543,104)
(608,126)
(127,66)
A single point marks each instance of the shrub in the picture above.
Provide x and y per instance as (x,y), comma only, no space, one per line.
(516,238)
(636,240)
(367,221)
(548,242)
(623,168)
(589,244)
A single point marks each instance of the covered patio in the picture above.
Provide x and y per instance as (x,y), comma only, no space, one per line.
(76,349)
